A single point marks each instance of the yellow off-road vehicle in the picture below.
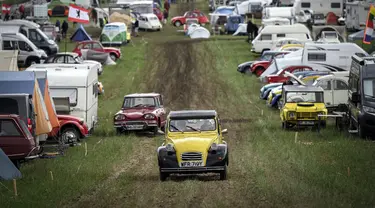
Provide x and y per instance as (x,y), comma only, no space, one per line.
(193,144)
(301,106)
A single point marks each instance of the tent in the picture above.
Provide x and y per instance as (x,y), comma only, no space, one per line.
(358,36)
(41,76)
(59,11)
(25,82)
(8,170)
(80,34)
(199,32)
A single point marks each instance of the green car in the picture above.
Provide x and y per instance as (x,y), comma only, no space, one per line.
(114,34)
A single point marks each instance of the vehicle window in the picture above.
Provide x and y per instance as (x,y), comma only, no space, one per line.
(71,93)
(87,46)
(9,128)
(325,84)
(9,45)
(280,55)
(78,59)
(60,59)
(96,46)
(23,32)
(353,83)
(316,57)
(133,102)
(70,60)
(369,89)
(280,35)
(23,46)
(34,36)
(191,125)
(50,59)
(201,14)
(340,85)
(79,46)
(161,100)
(305,5)
(266,57)
(296,97)
(335,5)
(266,37)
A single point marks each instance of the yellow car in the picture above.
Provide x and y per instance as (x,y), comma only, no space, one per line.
(301,106)
(193,144)
(291,47)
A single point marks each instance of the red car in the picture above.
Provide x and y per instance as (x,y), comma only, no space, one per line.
(16,140)
(181,20)
(71,129)
(158,13)
(258,67)
(279,77)
(141,112)
(114,53)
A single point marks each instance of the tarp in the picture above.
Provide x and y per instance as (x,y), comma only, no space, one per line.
(25,82)
(44,88)
(117,17)
(80,34)
(8,60)
(358,36)
(8,171)
(242,29)
(200,32)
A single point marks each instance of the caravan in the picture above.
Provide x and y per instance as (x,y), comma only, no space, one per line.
(272,33)
(356,14)
(75,92)
(320,6)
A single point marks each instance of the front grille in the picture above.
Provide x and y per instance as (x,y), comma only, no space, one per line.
(191,156)
(135,122)
(306,115)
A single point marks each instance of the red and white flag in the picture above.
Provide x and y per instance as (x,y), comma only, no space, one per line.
(5,9)
(78,14)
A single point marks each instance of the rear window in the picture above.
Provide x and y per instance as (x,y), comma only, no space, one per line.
(335,5)
(9,106)
(9,128)
(305,5)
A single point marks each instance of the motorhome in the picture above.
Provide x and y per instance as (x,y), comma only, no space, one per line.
(279,12)
(28,52)
(361,94)
(32,31)
(272,33)
(142,7)
(356,14)
(250,7)
(320,6)
(79,87)
(331,56)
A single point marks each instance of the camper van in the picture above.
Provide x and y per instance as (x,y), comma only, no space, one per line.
(115,33)
(356,14)
(32,31)
(28,52)
(279,12)
(332,56)
(272,33)
(78,87)
(320,6)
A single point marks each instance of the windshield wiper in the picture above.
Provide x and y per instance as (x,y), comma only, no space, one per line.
(193,128)
(176,128)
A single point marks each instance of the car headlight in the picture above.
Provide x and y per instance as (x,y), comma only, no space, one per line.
(292,114)
(368,109)
(120,117)
(169,147)
(149,116)
(214,146)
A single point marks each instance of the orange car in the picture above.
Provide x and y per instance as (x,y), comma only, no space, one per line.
(59,11)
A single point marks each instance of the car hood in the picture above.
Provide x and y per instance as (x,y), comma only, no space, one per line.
(193,143)
(111,48)
(91,62)
(260,62)
(136,113)
(306,107)
(68,118)
(176,18)
(248,63)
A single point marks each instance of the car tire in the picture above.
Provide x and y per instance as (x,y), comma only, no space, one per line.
(177,24)
(69,132)
(163,176)
(223,174)
(118,131)
(113,57)
(155,130)
(247,71)
(259,71)
(32,61)
(361,132)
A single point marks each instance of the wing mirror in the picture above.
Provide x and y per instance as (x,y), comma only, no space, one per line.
(224,131)
(356,97)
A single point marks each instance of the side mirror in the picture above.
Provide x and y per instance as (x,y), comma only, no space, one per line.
(224,131)
(356,97)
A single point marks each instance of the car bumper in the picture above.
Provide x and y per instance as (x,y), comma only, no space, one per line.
(135,125)
(301,122)
(193,169)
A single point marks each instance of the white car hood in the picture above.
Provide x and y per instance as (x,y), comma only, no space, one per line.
(91,62)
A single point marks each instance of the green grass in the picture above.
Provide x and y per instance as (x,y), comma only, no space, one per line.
(267,167)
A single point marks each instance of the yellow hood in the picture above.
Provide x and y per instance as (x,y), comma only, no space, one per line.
(316,107)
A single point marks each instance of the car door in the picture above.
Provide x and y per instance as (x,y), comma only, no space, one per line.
(340,92)
(163,113)
(10,136)
(142,22)
(326,84)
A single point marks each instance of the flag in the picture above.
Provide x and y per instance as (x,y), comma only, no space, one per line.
(369,26)
(78,14)
(5,9)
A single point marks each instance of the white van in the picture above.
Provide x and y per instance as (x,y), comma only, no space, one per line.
(149,22)
(272,33)
(80,86)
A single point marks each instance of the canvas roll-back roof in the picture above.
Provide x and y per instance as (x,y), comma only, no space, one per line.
(12,82)
(192,114)
(65,77)
(302,88)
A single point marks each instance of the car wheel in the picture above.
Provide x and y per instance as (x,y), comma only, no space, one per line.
(118,131)
(155,130)
(177,24)
(223,174)
(259,71)
(163,176)
(113,57)
(247,71)
(69,135)
(361,132)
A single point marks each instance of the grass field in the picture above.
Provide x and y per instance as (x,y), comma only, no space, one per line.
(268,166)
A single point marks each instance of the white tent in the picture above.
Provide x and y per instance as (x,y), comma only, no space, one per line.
(200,32)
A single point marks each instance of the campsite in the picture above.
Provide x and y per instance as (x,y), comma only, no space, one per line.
(266,118)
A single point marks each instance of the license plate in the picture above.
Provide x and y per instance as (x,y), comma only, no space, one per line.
(192,164)
(306,122)
(134,126)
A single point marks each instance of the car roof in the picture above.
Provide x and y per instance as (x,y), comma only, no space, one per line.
(297,66)
(66,53)
(302,88)
(152,94)
(192,113)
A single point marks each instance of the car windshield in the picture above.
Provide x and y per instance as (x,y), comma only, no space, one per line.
(330,35)
(298,97)
(139,102)
(369,89)
(79,59)
(266,57)
(191,125)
